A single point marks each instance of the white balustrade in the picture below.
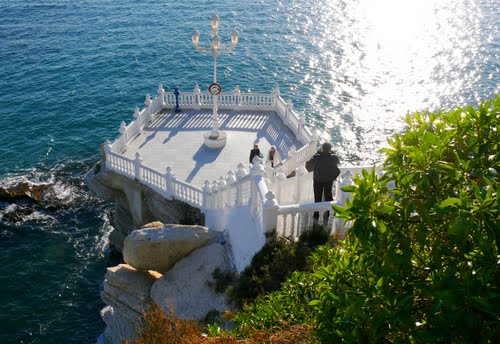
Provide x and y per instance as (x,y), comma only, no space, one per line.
(293,220)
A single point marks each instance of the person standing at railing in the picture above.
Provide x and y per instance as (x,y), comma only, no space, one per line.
(325,166)
(255,152)
(273,157)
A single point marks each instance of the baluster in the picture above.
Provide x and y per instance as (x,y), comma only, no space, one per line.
(106,152)
(138,119)
(290,225)
(197,99)
(237,95)
(288,112)
(240,174)
(206,191)
(222,191)
(169,182)
(280,177)
(215,189)
(161,96)
(230,180)
(270,212)
(300,171)
(301,126)
(123,134)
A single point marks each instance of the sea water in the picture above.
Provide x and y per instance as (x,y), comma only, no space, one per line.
(71,71)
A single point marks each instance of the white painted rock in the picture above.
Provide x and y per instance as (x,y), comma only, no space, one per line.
(158,249)
(184,289)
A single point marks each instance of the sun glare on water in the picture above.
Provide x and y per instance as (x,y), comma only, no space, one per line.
(385,58)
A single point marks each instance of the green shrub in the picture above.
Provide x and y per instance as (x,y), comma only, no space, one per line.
(420,263)
(272,265)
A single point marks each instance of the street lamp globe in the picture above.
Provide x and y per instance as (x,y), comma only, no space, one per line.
(215,44)
(234,37)
(195,36)
(214,22)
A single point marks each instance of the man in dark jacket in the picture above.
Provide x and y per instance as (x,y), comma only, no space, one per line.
(255,152)
(324,164)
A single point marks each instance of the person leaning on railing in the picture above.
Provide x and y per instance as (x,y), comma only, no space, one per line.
(325,166)
(273,157)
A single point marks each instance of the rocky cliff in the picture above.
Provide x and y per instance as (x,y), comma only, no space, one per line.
(187,256)
(135,204)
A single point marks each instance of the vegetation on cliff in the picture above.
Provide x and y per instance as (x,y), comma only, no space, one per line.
(420,262)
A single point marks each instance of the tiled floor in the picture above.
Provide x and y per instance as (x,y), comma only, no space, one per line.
(176,140)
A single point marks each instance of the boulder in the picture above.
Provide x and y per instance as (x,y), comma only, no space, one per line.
(187,289)
(22,188)
(158,249)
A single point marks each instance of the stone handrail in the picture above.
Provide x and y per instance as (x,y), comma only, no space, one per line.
(236,100)
(294,219)
(165,184)
(285,205)
(300,189)
(134,128)
(297,156)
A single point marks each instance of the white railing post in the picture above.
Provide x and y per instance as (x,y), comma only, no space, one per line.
(107,148)
(276,94)
(237,94)
(170,179)
(288,113)
(138,120)
(137,166)
(123,132)
(280,177)
(240,174)
(270,212)
(299,171)
(148,111)
(222,192)
(148,101)
(292,160)
(257,170)
(339,228)
(341,196)
(197,99)
(206,189)
(230,180)
(301,126)
(215,195)
(161,96)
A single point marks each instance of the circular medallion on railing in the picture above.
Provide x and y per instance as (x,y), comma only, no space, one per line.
(214,89)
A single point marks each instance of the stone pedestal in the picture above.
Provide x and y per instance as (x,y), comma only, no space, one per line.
(217,141)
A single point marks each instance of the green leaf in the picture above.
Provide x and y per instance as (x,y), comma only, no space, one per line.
(338,209)
(314,302)
(450,202)
(381,227)
(349,188)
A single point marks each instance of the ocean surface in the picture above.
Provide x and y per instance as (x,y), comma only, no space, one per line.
(71,71)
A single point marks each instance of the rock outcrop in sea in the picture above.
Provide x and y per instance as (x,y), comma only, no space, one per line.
(186,255)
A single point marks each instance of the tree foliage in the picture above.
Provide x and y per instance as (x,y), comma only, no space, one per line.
(420,262)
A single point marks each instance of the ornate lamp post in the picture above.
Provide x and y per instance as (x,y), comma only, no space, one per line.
(215,138)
